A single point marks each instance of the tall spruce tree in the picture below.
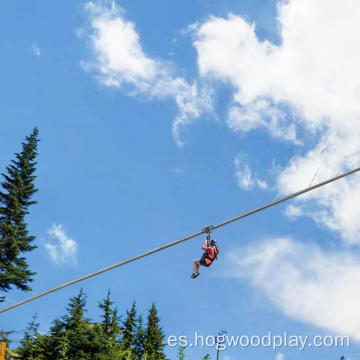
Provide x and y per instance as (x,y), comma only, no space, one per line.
(129,328)
(104,336)
(31,346)
(56,343)
(139,340)
(115,329)
(110,317)
(15,198)
(107,313)
(77,328)
(154,337)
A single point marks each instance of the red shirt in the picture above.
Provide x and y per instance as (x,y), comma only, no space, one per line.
(211,252)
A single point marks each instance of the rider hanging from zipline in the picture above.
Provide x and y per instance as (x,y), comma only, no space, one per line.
(210,254)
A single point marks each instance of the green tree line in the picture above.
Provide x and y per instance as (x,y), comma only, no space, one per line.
(76,337)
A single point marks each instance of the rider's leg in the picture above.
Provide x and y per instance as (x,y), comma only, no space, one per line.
(196,265)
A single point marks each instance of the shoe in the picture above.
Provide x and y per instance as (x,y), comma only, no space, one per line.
(194,275)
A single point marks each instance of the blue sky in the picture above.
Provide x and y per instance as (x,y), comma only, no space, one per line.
(158,118)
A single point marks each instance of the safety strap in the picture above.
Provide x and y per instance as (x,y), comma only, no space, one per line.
(207,229)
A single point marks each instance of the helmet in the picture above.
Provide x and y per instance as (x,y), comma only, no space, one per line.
(213,242)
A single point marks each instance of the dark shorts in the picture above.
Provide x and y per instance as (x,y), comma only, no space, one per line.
(203,263)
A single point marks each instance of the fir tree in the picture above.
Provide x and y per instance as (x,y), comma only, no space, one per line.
(110,317)
(154,338)
(139,340)
(15,199)
(56,343)
(31,345)
(107,313)
(129,328)
(100,343)
(77,328)
(76,311)
(103,337)
(115,328)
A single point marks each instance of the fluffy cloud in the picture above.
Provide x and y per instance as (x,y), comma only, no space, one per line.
(120,62)
(246,178)
(61,248)
(261,114)
(305,282)
(311,76)
(293,211)
(280,356)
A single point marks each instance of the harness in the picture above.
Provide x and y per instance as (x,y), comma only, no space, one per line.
(206,256)
(206,253)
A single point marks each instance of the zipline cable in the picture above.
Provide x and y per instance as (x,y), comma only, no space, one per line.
(204,231)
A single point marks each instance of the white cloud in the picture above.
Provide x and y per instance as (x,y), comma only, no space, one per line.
(333,205)
(245,177)
(61,248)
(304,281)
(35,50)
(313,77)
(261,114)
(280,356)
(293,211)
(120,62)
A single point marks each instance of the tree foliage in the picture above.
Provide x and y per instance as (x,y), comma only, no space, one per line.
(154,337)
(75,337)
(17,190)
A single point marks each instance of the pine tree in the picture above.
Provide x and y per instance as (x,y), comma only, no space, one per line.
(110,317)
(103,337)
(107,313)
(100,343)
(31,345)
(77,329)
(115,329)
(56,343)
(76,311)
(129,328)
(154,338)
(15,199)
(139,339)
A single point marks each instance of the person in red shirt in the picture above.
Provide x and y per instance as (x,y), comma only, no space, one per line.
(210,254)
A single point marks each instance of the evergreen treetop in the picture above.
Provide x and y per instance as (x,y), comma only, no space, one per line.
(139,339)
(129,328)
(74,337)
(17,189)
(154,338)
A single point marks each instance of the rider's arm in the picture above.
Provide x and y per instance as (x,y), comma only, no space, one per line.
(205,245)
